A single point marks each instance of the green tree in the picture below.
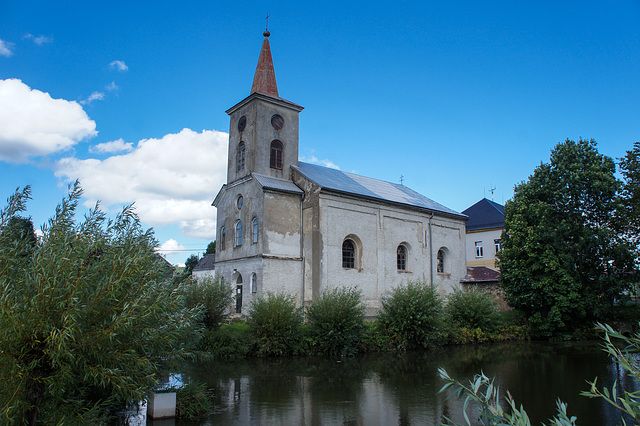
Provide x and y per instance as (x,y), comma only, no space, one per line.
(563,259)
(86,318)
(630,168)
(211,248)
(189,264)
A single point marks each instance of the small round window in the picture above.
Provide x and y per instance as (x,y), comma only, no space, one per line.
(277,122)
(242,123)
(239,202)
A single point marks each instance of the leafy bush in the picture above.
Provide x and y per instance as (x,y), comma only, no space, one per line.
(336,321)
(213,295)
(230,341)
(86,316)
(412,315)
(193,400)
(275,323)
(473,309)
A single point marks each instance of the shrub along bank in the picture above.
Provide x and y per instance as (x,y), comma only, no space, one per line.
(413,316)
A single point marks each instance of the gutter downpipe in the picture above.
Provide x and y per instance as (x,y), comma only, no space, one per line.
(430,250)
(302,253)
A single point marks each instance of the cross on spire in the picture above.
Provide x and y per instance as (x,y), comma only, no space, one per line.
(267,19)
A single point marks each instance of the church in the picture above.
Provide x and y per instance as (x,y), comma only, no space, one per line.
(286,225)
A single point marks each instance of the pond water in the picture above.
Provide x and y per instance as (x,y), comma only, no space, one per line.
(402,388)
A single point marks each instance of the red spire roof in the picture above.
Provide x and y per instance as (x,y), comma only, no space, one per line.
(264,80)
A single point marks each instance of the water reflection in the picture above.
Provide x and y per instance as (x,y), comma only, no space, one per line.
(401,388)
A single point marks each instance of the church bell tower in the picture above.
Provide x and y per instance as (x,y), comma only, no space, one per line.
(263,132)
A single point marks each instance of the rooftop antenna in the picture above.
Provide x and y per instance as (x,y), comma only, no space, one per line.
(401,179)
(491,189)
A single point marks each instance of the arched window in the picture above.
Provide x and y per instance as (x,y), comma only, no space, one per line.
(276,155)
(441,259)
(254,283)
(223,238)
(348,254)
(401,256)
(239,233)
(240,157)
(254,233)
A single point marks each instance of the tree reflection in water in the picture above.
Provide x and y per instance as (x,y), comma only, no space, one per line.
(402,388)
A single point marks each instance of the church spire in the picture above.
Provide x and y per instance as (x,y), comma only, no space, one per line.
(264,80)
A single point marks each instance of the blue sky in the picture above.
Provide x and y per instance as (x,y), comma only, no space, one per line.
(456,97)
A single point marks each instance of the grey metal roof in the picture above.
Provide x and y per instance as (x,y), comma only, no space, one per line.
(349,183)
(485,214)
(207,263)
(269,182)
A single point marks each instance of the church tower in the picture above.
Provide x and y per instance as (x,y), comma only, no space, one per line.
(259,243)
(263,134)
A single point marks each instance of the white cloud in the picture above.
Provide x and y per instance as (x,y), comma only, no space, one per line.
(95,96)
(314,160)
(112,147)
(119,65)
(39,40)
(6,48)
(34,124)
(111,86)
(172,179)
(171,249)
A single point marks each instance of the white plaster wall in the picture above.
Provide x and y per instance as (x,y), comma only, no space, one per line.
(284,275)
(282,228)
(449,234)
(381,228)
(198,275)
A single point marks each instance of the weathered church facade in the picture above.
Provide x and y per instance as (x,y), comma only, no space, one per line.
(298,227)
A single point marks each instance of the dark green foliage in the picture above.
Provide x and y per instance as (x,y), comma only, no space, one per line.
(412,315)
(19,232)
(86,318)
(213,295)
(336,321)
(230,341)
(211,248)
(563,260)
(630,168)
(190,263)
(275,323)
(193,400)
(472,308)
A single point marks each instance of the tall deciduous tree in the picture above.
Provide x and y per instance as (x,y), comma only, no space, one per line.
(630,168)
(85,318)
(190,263)
(563,258)
(211,248)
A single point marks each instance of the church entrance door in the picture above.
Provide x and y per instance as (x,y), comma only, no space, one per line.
(239,299)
